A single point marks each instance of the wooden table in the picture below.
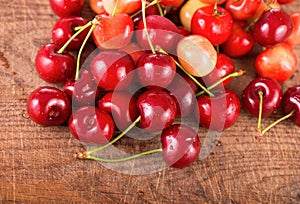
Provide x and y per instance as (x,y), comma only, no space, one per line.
(36,163)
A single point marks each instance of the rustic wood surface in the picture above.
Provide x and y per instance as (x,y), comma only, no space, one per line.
(36,163)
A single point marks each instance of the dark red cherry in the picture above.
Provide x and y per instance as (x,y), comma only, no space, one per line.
(121,106)
(48,106)
(274,26)
(91,125)
(272,94)
(52,66)
(181,145)
(157,109)
(291,102)
(219,112)
(155,70)
(84,90)
(151,10)
(111,70)
(63,30)
(65,8)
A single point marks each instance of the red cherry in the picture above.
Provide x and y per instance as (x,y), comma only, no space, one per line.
(48,106)
(274,26)
(271,96)
(156,70)
(171,3)
(107,35)
(121,106)
(181,145)
(213,23)
(97,6)
(294,38)
(64,8)
(285,1)
(157,109)
(150,10)
(121,6)
(219,112)
(111,70)
(240,38)
(63,30)
(291,102)
(52,66)
(242,9)
(278,62)
(91,125)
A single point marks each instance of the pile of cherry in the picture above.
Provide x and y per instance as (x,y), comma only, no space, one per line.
(179,53)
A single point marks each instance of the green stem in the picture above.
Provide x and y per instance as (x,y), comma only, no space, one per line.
(161,13)
(82,28)
(260,94)
(145,26)
(115,8)
(124,158)
(147,6)
(233,74)
(116,138)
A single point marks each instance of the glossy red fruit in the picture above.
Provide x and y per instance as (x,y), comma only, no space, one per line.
(278,62)
(294,38)
(157,109)
(181,145)
(63,30)
(91,125)
(48,106)
(171,3)
(272,94)
(111,70)
(214,24)
(107,35)
(151,10)
(64,8)
(121,106)
(84,90)
(218,113)
(239,38)
(156,70)
(53,67)
(274,26)
(291,101)
(242,9)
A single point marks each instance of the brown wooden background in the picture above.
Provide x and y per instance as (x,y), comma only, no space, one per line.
(36,163)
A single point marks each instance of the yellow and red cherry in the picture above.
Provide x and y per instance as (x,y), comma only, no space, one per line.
(97,6)
(242,9)
(112,70)
(197,55)
(219,112)
(91,125)
(294,38)
(213,2)
(48,106)
(114,7)
(65,8)
(64,29)
(54,67)
(278,62)
(107,35)
(180,145)
(214,23)
(121,106)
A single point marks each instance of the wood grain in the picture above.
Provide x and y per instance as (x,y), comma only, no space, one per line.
(36,163)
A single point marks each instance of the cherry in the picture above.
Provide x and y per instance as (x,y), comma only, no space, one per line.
(107,38)
(213,2)
(91,125)
(240,38)
(242,9)
(157,109)
(218,113)
(155,70)
(149,10)
(48,106)
(64,29)
(121,6)
(133,50)
(278,62)
(64,8)
(84,90)
(214,23)
(52,66)
(111,70)
(285,1)
(294,38)
(121,106)
(274,26)
(264,91)
(291,103)
(97,6)
(171,3)
(180,145)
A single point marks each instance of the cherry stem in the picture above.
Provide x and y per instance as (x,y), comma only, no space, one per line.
(145,25)
(160,10)
(115,8)
(116,138)
(261,98)
(94,23)
(78,30)
(233,74)
(275,123)
(147,6)
(124,158)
